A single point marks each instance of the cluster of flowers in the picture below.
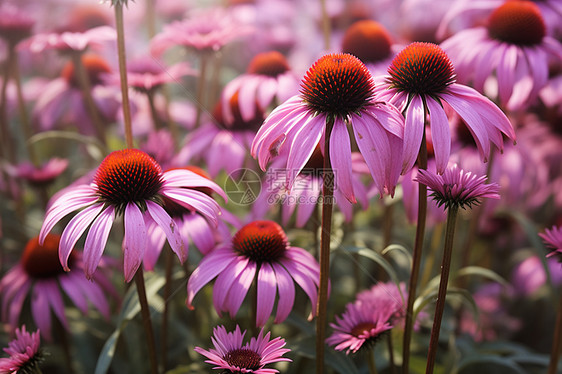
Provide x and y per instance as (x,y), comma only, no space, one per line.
(380,110)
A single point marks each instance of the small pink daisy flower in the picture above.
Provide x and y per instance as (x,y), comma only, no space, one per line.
(360,326)
(207,30)
(72,41)
(41,175)
(456,187)
(24,352)
(553,238)
(337,89)
(232,356)
(40,274)
(421,77)
(268,80)
(128,183)
(514,45)
(259,249)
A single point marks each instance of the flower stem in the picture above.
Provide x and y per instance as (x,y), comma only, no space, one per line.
(556,343)
(201,83)
(150,18)
(86,88)
(325,236)
(147,323)
(8,141)
(390,353)
(123,74)
(371,361)
(153,112)
(416,261)
(326,27)
(440,305)
(169,257)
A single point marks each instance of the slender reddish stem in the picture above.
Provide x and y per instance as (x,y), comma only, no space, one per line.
(326,232)
(442,293)
(147,322)
(557,340)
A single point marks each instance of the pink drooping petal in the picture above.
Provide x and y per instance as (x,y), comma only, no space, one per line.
(286,293)
(72,289)
(200,232)
(224,283)
(74,230)
(413,132)
(506,73)
(301,275)
(94,293)
(266,92)
(240,288)
(51,288)
(96,240)
(310,196)
(523,83)
(303,144)
(340,157)
(247,98)
(226,152)
(134,243)
(156,240)
(74,199)
(170,228)
(211,265)
(41,311)
(186,178)
(267,288)
(440,134)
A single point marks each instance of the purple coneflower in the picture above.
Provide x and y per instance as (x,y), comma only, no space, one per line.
(41,175)
(15,23)
(553,238)
(456,187)
(232,356)
(259,249)
(24,352)
(337,89)
(514,45)
(421,77)
(72,41)
(129,183)
(147,74)
(360,326)
(40,273)
(268,80)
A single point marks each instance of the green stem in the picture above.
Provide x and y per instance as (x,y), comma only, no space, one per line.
(201,83)
(416,261)
(153,112)
(150,18)
(391,353)
(325,236)
(86,88)
(169,257)
(147,322)
(123,74)
(440,305)
(8,141)
(557,340)
(371,361)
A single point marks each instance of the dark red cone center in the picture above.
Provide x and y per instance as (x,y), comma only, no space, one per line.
(260,241)
(271,64)
(362,328)
(517,22)
(367,40)
(42,261)
(243,359)
(95,66)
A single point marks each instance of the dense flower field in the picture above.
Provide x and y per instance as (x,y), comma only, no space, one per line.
(263,186)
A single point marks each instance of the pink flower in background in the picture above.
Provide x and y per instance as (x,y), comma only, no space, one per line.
(146,74)
(15,23)
(421,77)
(259,249)
(268,80)
(72,41)
(456,187)
(529,275)
(514,46)
(40,274)
(131,183)
(204,30)
(553,239)
(338,88)
(360,326)
(41,175)
(24,353)
(232,355)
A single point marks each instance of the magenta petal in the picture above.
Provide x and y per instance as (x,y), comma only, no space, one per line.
(94,293)
(304,142)
(185,178)
(200,232)
(68,284)
(156,240)
(506,73)
(54,297)
(267,288)
(302,276)
(240,288)
(286,293)
(195,200)
(134,244)
(413,132)
(170,228)
(74,230)
(224,283)
(40,310)
(340,158)
(440,134)
(96,240)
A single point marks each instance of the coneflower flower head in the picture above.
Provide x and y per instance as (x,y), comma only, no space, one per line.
(271,63)
(457,188)
(337,85)
(422,69)
(517,22)
(553,239)
(261,241)
(25,355)
(367,40)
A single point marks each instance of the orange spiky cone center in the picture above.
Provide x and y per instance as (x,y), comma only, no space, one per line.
(261,241)
(271,64)
(517,22)
(367,40)
(95,66)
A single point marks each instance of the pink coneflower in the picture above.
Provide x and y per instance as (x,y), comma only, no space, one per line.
(128,183)
(259,249)
(421,77)
(24,352)
(207,30)
(553,238)
(337,89)
(456,187)
(223,144)
(232,356)
(41,175)
(305,194)
(147,74)
(370,42)
(15,23)
(72,41)
(268,80)
(40,274)
(62,102)
(360,326)
(514,45)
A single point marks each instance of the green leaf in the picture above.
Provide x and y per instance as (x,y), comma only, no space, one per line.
(338,361)
(107,352)
(95,149)
(488,364)
(463,294)
(401,249)
(480,271)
